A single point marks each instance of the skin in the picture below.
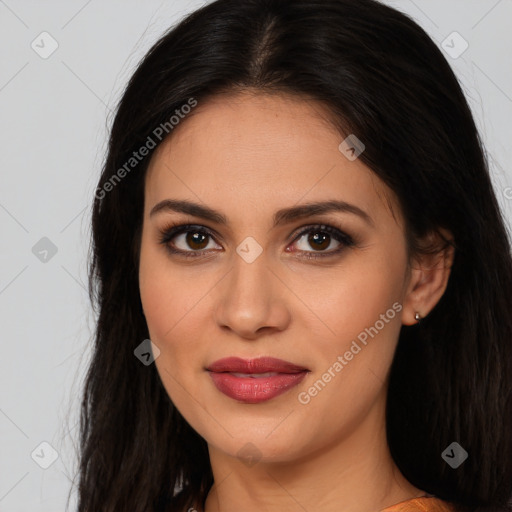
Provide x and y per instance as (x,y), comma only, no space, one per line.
(246,156)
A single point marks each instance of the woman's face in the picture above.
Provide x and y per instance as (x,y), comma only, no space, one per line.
(248,289)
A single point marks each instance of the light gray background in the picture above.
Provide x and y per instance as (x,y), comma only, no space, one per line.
(53,126)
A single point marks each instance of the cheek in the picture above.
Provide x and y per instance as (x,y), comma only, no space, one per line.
(352,296)
(360,313)
(361,321)
(337,304)
(172,313)
(160,288)
(159,293)
(174,308)
(170,309)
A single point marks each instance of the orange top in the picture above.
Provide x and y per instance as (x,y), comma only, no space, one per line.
(423,504)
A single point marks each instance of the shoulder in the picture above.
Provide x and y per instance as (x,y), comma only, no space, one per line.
(423,504)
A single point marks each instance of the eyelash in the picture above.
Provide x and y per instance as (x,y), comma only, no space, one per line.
(174,229)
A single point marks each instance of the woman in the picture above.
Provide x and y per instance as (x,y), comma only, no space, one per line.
(302,275)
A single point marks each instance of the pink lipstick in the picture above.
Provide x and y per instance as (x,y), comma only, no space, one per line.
(255,380)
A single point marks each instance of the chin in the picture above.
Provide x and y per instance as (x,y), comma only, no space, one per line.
(251,446)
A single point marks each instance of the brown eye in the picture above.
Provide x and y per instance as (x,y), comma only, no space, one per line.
(320,239)
(186,240)
(193,241)
(190,240)
(196,239)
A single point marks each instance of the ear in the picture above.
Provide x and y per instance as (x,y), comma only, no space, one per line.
(428,277)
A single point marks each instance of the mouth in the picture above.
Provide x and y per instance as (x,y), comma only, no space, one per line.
(255,380)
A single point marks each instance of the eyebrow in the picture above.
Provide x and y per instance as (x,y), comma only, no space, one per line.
(282,216)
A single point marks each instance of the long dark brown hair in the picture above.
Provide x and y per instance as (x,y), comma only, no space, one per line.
(383,79)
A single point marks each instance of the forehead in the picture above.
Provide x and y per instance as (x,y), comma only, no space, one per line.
(251,150)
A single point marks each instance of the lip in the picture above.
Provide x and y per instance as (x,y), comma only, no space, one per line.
(258,365)
(251,388)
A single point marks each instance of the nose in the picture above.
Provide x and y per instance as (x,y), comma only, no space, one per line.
(251,300)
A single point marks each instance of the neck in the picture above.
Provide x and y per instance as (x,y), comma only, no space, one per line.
(354,474)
